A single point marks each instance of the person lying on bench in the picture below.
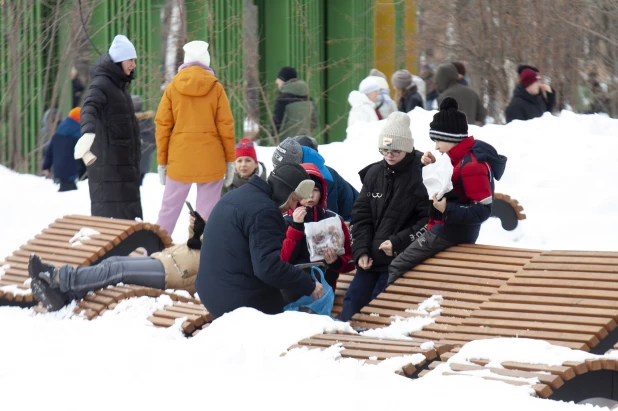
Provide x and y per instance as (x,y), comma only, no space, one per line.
(175,268)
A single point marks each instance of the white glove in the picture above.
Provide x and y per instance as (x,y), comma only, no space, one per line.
(82,149)
(229,175)
(162,170)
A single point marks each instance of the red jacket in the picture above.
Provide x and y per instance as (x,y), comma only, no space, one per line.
(294,250)
(469,203)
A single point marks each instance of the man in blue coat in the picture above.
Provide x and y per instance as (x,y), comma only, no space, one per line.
(240,264)
(59,153)
(304,149)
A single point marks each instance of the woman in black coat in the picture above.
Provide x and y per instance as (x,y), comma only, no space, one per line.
(110,144)
(390,212)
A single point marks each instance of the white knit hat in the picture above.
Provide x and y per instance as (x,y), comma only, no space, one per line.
(197,51)
(368,85)
(122,49)
(381,82)
(396,134)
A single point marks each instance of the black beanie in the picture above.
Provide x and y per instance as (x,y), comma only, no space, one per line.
(285,180)
(449,124)
(307,141)
(287,73)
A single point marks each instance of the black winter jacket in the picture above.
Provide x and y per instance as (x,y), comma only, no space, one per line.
(392,205)
(113,179)
(240,263)
(410,100)
(524,106)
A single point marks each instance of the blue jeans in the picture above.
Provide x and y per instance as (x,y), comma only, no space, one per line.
(365,286)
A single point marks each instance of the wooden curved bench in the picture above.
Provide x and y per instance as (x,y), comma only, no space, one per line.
(375,350)
(116,238)
(567,298)
(508,210)
(465,276)
(555,382)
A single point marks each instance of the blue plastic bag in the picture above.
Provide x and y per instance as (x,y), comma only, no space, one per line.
(322,306)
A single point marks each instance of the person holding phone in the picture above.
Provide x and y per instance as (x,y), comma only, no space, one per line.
(174,267)
(391,211)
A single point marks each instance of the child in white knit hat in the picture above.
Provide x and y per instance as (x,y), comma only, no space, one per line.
(363,102)
(390,212)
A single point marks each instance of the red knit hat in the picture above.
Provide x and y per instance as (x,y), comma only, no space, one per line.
(246,149)
(75,114)
(528,77)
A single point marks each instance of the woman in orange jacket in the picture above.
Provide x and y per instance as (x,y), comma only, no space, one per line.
(195,137)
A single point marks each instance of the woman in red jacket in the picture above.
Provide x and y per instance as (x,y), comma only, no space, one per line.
(295,251)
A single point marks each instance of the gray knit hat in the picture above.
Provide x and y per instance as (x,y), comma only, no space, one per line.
(402,79)
(289,151)
(396,134)
(377,73)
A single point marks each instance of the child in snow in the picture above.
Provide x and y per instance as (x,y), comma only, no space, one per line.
(174,267)
(457,217)
(295,251)
(59,153)
(246,165)
(390,212)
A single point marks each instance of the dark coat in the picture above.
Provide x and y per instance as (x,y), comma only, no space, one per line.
(114,179)
(469,204)
(147,139)
(392,205)
(59,153)
(295,114)
(341,195)
(468,100)
(240,263)
(410,100)
(524,106)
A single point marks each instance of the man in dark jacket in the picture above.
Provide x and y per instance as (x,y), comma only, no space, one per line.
(390,212)
(302,149)
(468,99)
(531,98)
(113,157)
(240,264)
(59,153)
(295,112)
(455,218)
(461,73)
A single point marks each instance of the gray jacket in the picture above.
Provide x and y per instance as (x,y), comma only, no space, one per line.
(468,99)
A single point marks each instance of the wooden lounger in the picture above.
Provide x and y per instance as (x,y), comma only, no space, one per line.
(116,238)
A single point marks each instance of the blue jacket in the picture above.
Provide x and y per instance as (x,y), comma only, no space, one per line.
(59,153)
(240,263)
(341,195)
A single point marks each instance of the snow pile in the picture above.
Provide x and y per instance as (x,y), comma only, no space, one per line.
(84,234)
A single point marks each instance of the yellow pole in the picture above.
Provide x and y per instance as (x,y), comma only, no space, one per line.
(384,43)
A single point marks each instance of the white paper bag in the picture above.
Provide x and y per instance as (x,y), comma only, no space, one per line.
(324,234)
(437,177)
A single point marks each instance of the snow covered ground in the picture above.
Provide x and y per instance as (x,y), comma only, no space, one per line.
(561,169)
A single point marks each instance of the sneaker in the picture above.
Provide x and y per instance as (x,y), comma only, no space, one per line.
(51,298)
(39,269)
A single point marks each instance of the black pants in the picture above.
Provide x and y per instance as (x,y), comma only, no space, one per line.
(67,186)
(424,247)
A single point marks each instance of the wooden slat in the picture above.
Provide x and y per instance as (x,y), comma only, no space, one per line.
(461,338)
(482,258)
(462,271)
(560,292)
(426,293)
(606,322)
(495,252)
(564,283)
(437,285)
(472,265)
(560,301)
(572,267)
(599,331)
(579,260)
(389,296)
(568,275)
(458,279)
(554,381)
(567,253)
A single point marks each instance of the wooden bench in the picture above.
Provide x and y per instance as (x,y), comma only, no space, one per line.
(375,350)
(116,238)
(465,276)
(555,382)
(567,298)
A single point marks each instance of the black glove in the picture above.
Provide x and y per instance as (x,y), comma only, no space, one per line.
(195,243)
(198,225)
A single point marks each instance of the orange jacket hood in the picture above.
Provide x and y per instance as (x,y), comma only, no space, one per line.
(194,81)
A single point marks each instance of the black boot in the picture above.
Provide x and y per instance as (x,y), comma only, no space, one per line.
(51,298)
(44,285)
(39,269)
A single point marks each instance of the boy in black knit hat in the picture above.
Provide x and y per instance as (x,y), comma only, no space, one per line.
(457,217)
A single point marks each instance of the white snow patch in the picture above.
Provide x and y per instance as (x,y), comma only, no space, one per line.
(84,234)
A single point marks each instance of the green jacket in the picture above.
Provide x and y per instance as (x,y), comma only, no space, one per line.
(468,100)
(239,181)
(295,114)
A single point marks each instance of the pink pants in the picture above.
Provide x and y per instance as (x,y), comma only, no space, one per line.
(174,198)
